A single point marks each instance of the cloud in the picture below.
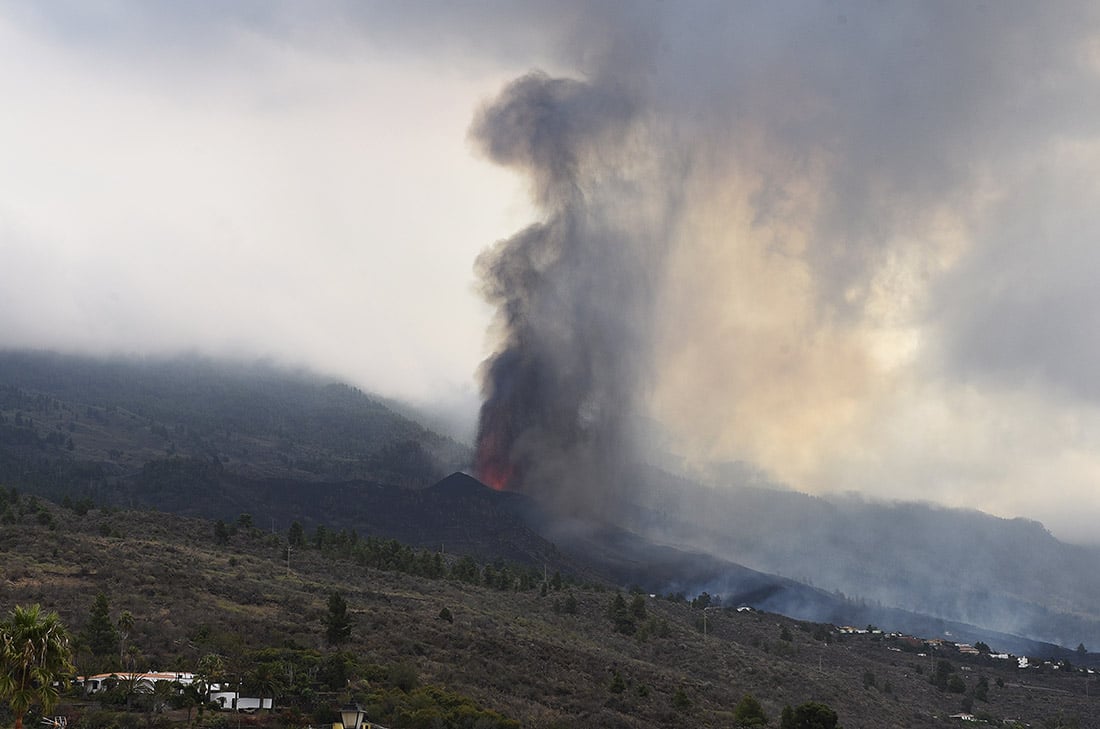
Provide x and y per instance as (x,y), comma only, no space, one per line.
(257,194)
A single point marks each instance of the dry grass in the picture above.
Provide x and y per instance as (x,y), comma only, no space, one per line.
(510,651)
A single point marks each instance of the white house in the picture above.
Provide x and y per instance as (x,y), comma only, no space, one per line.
(145,682)
(229,701)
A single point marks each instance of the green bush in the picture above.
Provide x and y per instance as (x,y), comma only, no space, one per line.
(749,712)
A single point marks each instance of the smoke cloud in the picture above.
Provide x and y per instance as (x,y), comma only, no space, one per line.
(574,292)
(870,217)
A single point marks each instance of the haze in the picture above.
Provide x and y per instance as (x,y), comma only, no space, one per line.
(876,263)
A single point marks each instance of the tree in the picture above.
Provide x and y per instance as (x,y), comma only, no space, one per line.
(221,532)
(944,670)
(810,715)
(162,694)
(130,686)
(337,622)
(620,615)
(211,670)
(35,660)
(125,625)
(297,535)
(100,635)
(193,695)
(981,689)
(749,712)
(336,670)
(266,681)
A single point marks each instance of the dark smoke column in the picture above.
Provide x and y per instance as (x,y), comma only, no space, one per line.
(573,294)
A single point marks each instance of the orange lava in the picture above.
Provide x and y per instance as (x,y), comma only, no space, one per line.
(493,470)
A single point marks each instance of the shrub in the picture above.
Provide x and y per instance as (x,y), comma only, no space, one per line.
(404,677)
(749,712)
(810,715)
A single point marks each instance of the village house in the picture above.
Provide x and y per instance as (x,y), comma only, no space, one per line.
(220,694)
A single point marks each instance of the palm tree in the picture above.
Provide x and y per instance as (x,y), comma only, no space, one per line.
(162,694)
(211,673)
(125,625)
(266,681)
(132,685)
(34,656)
(195,695)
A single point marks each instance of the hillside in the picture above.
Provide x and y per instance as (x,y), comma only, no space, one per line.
(214,440)
(517,651)
(104,425)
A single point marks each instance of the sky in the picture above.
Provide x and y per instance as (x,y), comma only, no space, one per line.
(869,228)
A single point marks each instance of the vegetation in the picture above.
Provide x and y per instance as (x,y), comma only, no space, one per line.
(749,712)
(337,622)
(810,715)
(35,660)
(100,638)
(437,639)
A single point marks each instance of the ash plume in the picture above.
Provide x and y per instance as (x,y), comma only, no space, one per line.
(860,222)
(573,291)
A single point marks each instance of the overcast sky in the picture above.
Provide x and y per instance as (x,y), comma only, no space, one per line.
(878,265)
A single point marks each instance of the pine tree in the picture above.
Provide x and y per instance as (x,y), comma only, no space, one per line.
(297,536)
(100,635)
(337,622)
(221,532)
(620,616)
